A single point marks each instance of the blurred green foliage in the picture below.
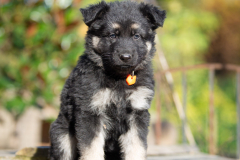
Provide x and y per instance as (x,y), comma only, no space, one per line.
(39,47)
(186,39)
(187,33)
(40,44)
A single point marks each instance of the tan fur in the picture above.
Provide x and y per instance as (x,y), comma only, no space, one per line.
(67,146)
(138,98)
(131,145)
(95,151)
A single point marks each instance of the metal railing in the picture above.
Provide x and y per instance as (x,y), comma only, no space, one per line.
(212,67)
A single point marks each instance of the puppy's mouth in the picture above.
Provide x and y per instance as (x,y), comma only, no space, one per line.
(120,71)
(124,67)
(125,70)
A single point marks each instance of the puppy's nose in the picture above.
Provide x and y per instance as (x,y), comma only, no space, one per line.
(125,57)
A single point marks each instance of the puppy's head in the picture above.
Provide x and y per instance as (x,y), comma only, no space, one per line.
(121,35)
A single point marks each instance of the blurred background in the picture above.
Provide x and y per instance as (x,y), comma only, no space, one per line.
(41,40)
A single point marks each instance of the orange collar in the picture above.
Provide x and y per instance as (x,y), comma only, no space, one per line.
(131,79)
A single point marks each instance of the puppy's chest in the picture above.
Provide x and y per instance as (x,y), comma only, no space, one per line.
(106,99)
(116,109)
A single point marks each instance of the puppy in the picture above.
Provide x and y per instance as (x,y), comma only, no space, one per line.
(103,116)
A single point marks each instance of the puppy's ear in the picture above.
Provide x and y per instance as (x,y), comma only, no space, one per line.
(154,15)
(93,12)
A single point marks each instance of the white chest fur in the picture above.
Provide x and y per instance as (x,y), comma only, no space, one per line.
(139,99)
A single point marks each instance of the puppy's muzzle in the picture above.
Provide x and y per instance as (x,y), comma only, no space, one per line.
(125,57)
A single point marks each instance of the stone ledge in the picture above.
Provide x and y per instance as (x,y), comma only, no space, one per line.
(153,150)
(157,153)
(38,153)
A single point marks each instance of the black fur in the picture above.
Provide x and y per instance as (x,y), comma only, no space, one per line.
(101,67)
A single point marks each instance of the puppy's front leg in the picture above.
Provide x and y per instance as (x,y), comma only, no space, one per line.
(90,136)
(134,141)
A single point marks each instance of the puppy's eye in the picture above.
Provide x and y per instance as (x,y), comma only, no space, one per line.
(113,35)
(136,36)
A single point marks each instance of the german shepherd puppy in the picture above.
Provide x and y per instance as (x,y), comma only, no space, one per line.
(103,116)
